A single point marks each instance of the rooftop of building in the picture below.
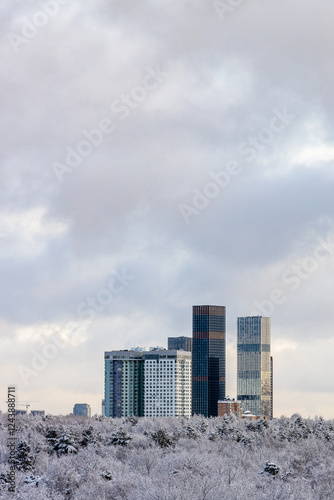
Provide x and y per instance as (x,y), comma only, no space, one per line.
(140,354)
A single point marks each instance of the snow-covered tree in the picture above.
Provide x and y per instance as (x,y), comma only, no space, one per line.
(270,468)
(193,458)
(119,438)
(62,440)
(23,460)
(161,438)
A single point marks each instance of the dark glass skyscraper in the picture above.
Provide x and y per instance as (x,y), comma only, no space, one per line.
(209,354)
(255,365)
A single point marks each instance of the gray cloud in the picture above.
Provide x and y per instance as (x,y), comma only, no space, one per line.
(119,208)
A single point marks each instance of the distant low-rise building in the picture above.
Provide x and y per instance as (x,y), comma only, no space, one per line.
(229,406)
(249,416)
(82,410)
(21,412)
(37,412)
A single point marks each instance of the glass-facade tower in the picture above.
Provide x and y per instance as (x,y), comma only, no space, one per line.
(208,356)
(254,365)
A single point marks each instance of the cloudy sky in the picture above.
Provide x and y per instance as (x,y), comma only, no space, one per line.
(156,155)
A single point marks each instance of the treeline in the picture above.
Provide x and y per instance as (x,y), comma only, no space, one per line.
(169,458)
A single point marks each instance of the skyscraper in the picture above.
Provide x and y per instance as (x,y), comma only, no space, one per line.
(180,343)
(209,354)
(254,365)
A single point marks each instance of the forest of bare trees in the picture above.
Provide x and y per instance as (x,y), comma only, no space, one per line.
(77,458)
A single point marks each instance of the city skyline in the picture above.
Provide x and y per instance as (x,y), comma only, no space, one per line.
(145,168)
(179,382)
(184,340)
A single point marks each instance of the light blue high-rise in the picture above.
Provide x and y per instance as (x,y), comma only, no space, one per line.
(254,384)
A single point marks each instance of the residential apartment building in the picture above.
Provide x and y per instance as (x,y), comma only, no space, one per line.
(167,383)
(229,406)
(151,383)
(123,383)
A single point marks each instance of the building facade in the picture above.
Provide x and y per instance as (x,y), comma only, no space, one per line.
(254,365)
(229,406)
(208,359)
(82,410)
(35,413)
(151,383)
(21,412)
(272,385)
(180,343)
(123,383)
(167,383)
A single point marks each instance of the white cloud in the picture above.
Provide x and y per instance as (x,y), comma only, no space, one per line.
(28,232)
